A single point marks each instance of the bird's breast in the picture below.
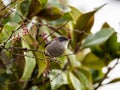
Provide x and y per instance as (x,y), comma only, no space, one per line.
(55,49)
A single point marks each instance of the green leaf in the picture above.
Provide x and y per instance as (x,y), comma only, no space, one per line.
(43,3)
(92,61)
(7,31)
(29,62)
(112,47)
(35,7)
(75,81)
(67,16)
(41,62)
(24,7)
(39,55)
(82,27)
(98,38)
(84,77)
(97,50)
(74,62)
(58,78)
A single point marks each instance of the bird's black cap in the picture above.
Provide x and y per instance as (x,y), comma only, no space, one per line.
(62,38)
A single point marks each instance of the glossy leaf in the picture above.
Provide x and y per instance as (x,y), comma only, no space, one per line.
(59,78)
(75,81)
(98,38)
(38,55)
(7,31)
(84,77)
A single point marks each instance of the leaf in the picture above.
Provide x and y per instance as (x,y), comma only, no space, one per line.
(72,58)
(50,13)
(86,73)
(7,31)
(98,38)
(85,78)
(75,81)
(29,62)
(105,25)
(98,51)
(59,78)
(35,7)
(114,81)
(92,61)
(43,3)
(112,47)
(24,7)
(72,15)
(67,16)
(41,62)
(83,24)
(75,13)
(82,27)
(38,55)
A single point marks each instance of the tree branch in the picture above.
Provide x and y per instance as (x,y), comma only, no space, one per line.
(105,76)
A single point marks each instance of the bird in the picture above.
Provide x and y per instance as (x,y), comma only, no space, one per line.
(57,46)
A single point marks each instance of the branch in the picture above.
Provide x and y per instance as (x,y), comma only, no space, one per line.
(105,76)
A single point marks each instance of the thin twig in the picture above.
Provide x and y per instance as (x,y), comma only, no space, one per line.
(12,35)
(105,76)
(8,5)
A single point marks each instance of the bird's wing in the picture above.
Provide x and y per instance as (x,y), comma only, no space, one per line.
(47,43)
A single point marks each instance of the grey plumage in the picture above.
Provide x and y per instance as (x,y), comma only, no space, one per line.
(57,46)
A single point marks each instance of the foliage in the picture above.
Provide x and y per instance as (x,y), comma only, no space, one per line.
(26,26)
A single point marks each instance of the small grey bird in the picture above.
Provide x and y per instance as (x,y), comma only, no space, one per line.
(57,46)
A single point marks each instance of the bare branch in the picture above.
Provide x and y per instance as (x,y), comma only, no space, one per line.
(105,76)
